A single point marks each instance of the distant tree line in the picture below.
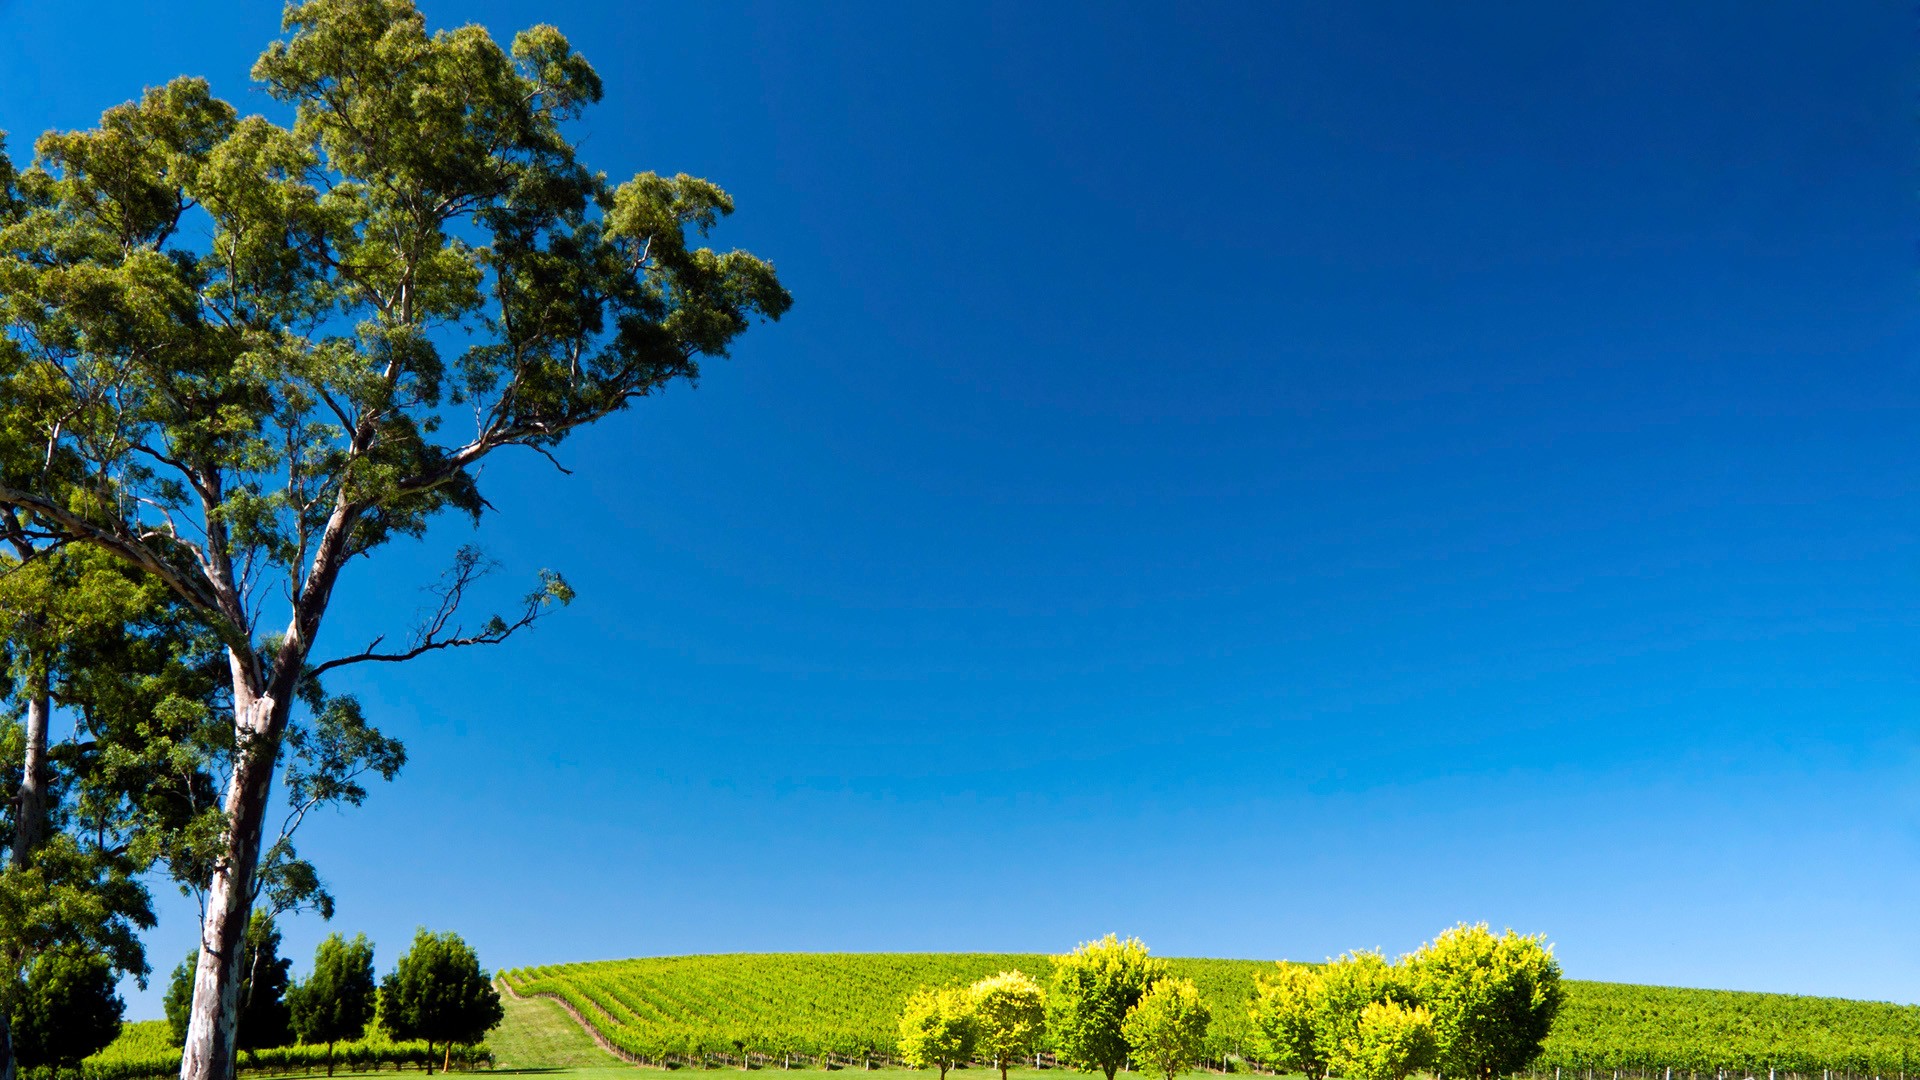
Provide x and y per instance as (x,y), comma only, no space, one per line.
(437,993)
(1470,1004)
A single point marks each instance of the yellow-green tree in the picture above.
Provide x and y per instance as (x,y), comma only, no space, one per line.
(1094,987)
(1167,1030)
(937,1029)
(1010,1012)
(1347,985)
(1493,999)
(1285,1005)
(1390,1041)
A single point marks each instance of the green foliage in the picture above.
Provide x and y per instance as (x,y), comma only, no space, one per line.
(255,343)
(1167,1030)
(1285,1006)
(1010,1011)
(937,1028)
(1390,1041)
(1346,986)
(139,1040)
(67,1009)
(1607,1026)
(179,999)
(1093,988)
(335,1002)
(68,899)
(439,993)
(264,1019)
(1493,999)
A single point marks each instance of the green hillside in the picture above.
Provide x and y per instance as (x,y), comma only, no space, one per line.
(846,1004)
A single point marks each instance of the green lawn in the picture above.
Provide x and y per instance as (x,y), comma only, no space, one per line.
(537,1034)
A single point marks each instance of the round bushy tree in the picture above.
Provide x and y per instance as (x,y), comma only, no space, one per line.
(1167,1030)
(66,1010)
(1493,999)
(1093,987)
(938,1029)
(1346,986)
(179,998)
(1285,1006)
(1010,1010)
(439,993)
(335,1002)
(1390,1041)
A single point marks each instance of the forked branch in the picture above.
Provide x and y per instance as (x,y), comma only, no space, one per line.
(439,631)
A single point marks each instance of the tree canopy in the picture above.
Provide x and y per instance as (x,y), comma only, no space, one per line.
(938,1029)
(240,354)
(67,1009)
(336,1000)
(1010,1012)
(1167,1030)
(1093,988)
(439,993)
(1493,998)
(1284,1013)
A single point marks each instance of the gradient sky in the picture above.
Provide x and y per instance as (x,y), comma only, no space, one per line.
(1271,479)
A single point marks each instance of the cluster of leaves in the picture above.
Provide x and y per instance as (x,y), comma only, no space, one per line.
(1001,1016)
(1469,1003)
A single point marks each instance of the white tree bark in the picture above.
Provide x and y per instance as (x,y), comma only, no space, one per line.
(260,719)
(31,822)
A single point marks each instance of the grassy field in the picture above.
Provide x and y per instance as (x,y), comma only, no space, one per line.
(537,1035)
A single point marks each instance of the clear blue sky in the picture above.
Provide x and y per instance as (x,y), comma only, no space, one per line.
(1269,479)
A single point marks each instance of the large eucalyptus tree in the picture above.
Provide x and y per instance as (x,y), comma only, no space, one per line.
(269,349)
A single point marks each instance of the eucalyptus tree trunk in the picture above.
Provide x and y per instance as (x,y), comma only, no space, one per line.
(30,828)
(31,824)
(260,718)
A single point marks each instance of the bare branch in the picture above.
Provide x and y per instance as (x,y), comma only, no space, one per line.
(438,631)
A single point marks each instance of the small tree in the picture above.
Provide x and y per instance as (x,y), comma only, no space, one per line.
(439,993)
(1094,986)
(1390,1041)
(179,999)
(937,1028)
(1346,986)
(1285,1005)
(1493,999)
(1168,1028)
(335,1002)
(1011,1011)
(265,1021)
(67,1010)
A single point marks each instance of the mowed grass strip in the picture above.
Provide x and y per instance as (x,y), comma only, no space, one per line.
(538,1034)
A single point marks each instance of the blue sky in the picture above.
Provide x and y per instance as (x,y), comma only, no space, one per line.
(1272,479)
